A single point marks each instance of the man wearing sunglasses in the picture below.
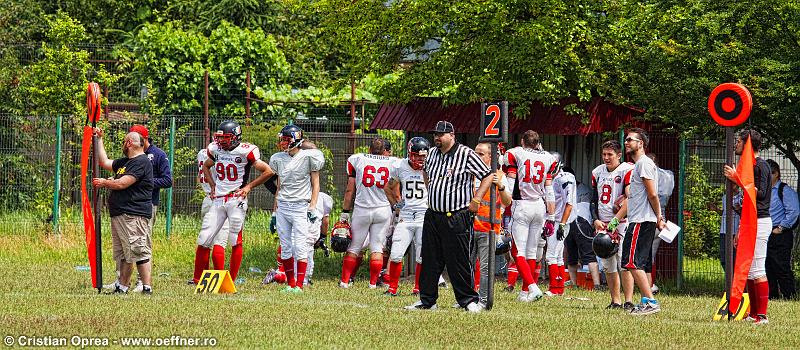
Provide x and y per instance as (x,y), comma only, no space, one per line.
(644,215)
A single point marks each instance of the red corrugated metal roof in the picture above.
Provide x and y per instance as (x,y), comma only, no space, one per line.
(422,114)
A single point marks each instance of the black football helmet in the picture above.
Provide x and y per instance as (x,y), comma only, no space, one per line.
(603,246)
(228,135)
(417,151)
(503,245)
(291,136)
(341,236)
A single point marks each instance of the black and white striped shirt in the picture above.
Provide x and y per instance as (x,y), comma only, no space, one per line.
(451,177)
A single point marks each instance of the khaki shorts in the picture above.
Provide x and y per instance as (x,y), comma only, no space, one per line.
(130,236)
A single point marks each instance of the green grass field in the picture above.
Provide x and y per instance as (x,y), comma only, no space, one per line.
(43,294)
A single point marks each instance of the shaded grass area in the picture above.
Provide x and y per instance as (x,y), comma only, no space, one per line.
(42,293)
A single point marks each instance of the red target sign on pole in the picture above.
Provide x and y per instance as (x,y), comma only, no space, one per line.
(730,104)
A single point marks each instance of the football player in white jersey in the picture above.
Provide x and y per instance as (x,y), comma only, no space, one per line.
(298,192)
(231,161)
(564,188)
(372,215)
(407,181)
(533,197)
(609,209)
(221,241)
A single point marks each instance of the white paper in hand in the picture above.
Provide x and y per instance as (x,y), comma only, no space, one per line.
(669,233)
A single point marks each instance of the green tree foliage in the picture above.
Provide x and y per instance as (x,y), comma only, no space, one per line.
(667,56)
(174,60)
(702,221)
(465,51)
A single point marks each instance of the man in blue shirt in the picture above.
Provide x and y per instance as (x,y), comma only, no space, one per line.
(783,210)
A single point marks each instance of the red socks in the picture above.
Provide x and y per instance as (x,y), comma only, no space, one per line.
(417,272)
(348,267)
(753,296)
(537,271)
(512,273)
(763,297)
(301,273)
(236,260)
(525,271)
(532,265)
(218,257)
(556,280)
(200,262)
(288,266)
(394,275)
(375,266)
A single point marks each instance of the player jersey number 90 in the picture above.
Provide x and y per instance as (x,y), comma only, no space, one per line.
(369,179)
(229,171)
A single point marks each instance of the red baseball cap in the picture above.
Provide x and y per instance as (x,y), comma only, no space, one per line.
(141,129)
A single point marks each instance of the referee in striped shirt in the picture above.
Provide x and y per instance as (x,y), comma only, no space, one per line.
(450,172)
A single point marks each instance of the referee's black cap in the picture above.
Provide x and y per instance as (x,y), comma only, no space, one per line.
(443,126)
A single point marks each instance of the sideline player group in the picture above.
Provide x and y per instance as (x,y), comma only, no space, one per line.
(386,199)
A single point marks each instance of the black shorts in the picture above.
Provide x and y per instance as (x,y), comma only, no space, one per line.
(578,244)
(637,247)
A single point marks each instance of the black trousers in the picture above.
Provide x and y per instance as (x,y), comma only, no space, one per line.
(446,241)
(779,265)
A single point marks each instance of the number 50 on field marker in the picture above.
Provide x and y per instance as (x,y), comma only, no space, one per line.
(215,282)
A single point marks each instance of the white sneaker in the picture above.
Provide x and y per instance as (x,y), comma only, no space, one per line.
(534,293)
(550,294)
(475,308)
(344,285)
(373,286)
(138,288)
(112,285)
(523,296)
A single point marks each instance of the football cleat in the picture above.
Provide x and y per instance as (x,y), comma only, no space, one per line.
(534,293)
(415,291)
(344,285)
(390,294)
(270,277)
(761,320)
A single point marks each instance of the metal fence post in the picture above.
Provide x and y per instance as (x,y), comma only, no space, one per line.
(681,197)
(57,181)
(171,167)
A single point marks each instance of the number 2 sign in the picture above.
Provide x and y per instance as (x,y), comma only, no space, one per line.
(494,122)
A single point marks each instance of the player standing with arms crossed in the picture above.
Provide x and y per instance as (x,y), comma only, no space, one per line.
(298,192)
(407,177)
(532,197)
(609,208)
(372,215)
(232,161)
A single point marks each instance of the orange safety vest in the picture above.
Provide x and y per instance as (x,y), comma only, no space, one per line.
(482,216)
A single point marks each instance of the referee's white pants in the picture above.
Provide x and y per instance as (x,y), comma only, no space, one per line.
(758,267)
(230,209)
(293,230)
(407,230)
(526,227)
(369,222)
(555,248)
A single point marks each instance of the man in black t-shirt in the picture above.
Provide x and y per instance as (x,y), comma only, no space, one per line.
(130,207)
